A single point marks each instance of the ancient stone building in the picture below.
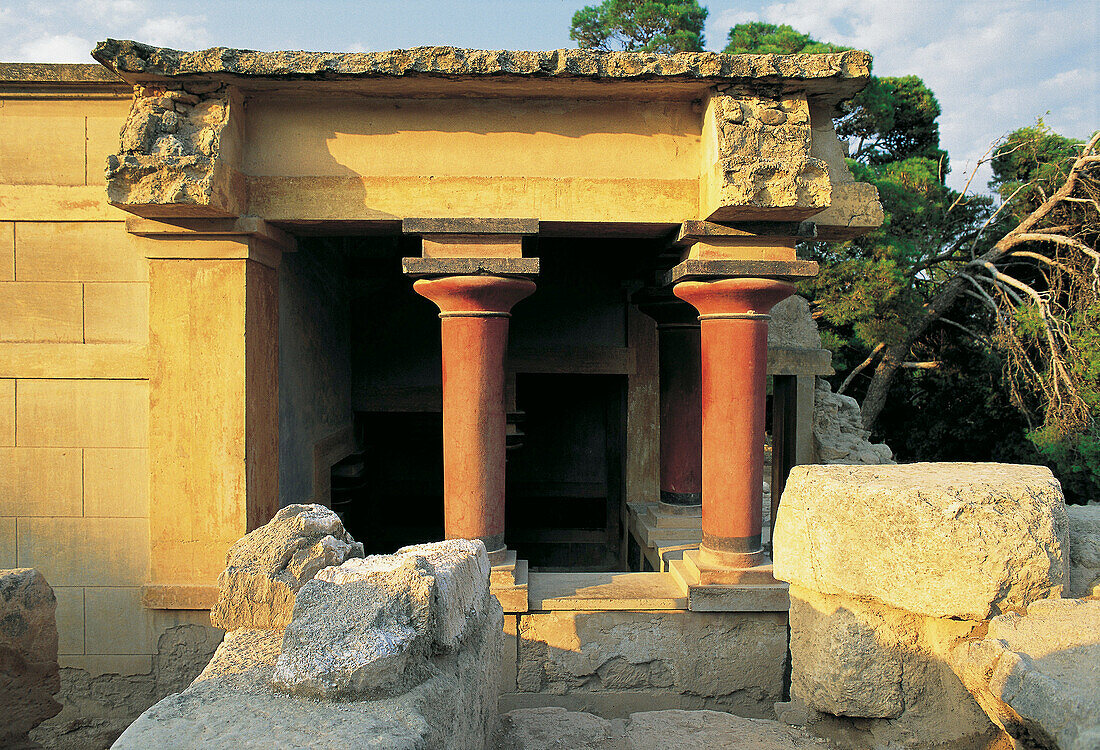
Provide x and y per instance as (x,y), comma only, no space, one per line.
(231,281)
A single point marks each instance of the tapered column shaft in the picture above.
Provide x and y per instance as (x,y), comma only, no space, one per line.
(474,332)
(734,347)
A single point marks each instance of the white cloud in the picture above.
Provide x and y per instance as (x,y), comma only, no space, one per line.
(55,48)
(994,65)
(181,32)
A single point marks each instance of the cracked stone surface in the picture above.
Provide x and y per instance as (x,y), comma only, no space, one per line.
(1038,674)
(841,74)
(266,568)
(839,436)
(29,677)
(961,540)
(1084,549)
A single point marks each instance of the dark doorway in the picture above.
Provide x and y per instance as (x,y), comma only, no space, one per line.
(565,479)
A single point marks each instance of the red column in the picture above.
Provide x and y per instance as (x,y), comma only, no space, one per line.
(734,342)
(474,312)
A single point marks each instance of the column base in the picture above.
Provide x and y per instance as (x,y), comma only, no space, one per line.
(508,579)
(708,568)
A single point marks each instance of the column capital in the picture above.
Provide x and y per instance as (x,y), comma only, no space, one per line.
(474,296)
(739,297)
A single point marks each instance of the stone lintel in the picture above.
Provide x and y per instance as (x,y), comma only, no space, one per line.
(704,270)
(691,232)
(469,226)
(424,267)
(183,228)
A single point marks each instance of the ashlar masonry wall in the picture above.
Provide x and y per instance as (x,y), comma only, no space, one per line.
(74,396)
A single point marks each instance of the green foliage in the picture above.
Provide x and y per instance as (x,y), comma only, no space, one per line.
(640,26)
(757,38)
(1031,163)
(894,119)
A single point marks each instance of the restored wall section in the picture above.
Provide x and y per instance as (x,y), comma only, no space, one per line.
(74,405)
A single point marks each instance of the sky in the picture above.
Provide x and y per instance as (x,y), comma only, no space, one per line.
(994,65)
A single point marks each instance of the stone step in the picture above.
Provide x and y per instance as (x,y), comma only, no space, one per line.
(650,534)
(503,573)
(673,521)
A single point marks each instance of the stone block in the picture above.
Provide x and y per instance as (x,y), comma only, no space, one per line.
(86,551)
(423,267)
(40,482)
(838,433)
(116,313)
(369,626)
(103,127)
(43,143)
(7,412)
(1084,550)
(116,623)
(89,413)
(78,251)
(266,568)
(731,660)
(233,704)
(857,659)
(7,543)
(7,251)
(363,630)
(969,540)
(510,653)
(29,676)
(469,226)
(40,311)
(461,570)
(1037,674)
(70,619)
(792,326)
(116,482)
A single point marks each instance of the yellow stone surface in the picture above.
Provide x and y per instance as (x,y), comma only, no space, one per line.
(85,551)
(70,619)
(213,472)
(41,311)
(78,251)
(103,126)
(116,313)
(7,412)
(736,248)
(42,142)
(40,482)
(472,246)
(116,622)
(94,361)
(7,543)
(88,413)
(116,482)
(56,203)
(7,251)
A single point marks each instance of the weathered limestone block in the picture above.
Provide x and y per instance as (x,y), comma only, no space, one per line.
(839,437)
(369,626)
(461,568)
(791,325)
(854,207)
(721,659)
(839,74)
(178,154)
(1084,550)
(939,539)
(363,637)
(28,654)
(1038,674)
(266,568)
(233,704)
(888,668)
(763,162)
(550,728)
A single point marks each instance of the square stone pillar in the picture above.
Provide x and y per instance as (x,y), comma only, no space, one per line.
(214,400)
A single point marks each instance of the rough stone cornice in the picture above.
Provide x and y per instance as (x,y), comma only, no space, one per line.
(837,74)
